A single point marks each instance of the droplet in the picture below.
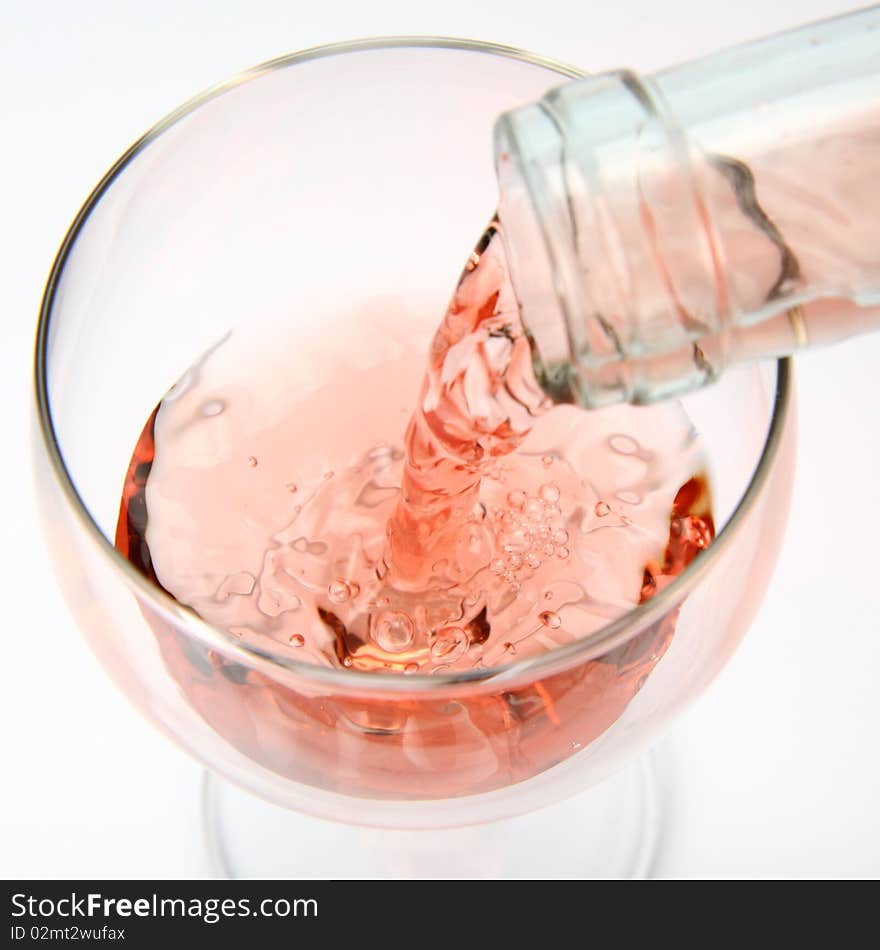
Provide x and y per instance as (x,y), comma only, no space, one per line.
(297,640)
(629,497)
(252,461)
(241,584)
(547,461)
(346,661)
(274,601)
(339,592)
(449,644)
(394,631)
(516,498)
(549,493)
(213,407)
(550,619)
(623,445)
(602,509)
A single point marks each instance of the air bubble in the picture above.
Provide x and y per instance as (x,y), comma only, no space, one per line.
(497,566)
(297,640)
(532,561)
(623,445)
(514,562)
(547,461)
(602,509)
(516,499)
(252,461)
(560,536)
(518,540)
(535,510)
(550,619)
(562,552)
(394,631)
(213,407)
(291,487)
(411,668)
(509,648)
(450,643)
(549,493)
(339,591)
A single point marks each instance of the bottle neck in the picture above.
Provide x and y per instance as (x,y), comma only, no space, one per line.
(660,229)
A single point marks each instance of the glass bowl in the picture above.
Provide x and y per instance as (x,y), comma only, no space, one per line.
(306,185)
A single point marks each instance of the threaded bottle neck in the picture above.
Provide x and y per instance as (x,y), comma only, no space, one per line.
(660,229)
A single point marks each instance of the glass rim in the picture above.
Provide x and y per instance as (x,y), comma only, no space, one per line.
(270,661)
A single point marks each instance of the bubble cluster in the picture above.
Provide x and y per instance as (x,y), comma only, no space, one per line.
(529,531)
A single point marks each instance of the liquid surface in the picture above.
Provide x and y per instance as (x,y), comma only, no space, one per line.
(292,508)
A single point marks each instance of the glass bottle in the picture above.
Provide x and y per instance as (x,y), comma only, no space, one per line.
(660,229)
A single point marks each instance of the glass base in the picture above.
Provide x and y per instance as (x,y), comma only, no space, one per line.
(609,831)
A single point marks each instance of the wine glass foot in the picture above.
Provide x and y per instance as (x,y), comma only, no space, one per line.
(609,831)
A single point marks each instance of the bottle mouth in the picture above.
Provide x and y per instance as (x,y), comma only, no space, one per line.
(611,250)
(528,149)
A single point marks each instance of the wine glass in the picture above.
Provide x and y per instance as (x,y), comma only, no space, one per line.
(340,174)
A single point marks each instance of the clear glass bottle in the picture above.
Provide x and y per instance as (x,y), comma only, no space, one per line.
(661,229)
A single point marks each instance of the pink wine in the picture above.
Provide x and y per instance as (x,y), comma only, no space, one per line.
(305,515)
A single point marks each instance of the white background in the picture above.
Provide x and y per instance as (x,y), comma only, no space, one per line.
(777,767)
